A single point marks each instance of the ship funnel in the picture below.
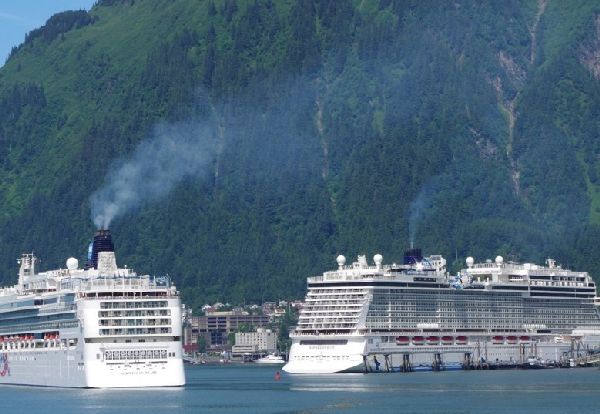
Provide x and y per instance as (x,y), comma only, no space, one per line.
(413,256)
(102,243)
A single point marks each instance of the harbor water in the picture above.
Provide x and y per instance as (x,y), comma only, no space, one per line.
(254,389)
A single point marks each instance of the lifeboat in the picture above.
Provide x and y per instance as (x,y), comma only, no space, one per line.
(402,340)
(461,340)
(524,338)
(433,340)
(418,340)
(498,340)
(511,339)
(447,340)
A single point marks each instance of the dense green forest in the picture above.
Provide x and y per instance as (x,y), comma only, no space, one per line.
(325,128)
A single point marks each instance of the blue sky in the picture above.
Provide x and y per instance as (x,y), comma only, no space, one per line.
(18,17)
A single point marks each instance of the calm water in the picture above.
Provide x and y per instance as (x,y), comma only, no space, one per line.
(253,389)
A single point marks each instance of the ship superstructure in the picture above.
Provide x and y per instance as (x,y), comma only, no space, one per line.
(368,317)
(97,326)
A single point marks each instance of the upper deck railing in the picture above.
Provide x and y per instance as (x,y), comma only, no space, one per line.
(133,284)
(374,273)
(533,268)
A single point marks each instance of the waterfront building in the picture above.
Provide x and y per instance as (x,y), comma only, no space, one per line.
(260,341)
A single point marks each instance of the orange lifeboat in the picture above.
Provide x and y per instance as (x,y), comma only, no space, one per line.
(511,339)
(524,338)
(497,340)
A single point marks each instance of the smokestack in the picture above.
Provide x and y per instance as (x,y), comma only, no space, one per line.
(102,243)
(413,256)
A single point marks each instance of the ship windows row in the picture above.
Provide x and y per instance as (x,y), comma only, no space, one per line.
(134,304)
(129,313)
(317,326)
(135,331)
(136,354)
(479,322)
(135,322)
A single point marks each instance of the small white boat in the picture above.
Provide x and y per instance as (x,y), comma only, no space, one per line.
(271,359)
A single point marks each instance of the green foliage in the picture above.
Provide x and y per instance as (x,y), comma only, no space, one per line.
(331,117)
(202,345)
(285,323)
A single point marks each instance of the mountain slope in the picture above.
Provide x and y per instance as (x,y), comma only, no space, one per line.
(330,127)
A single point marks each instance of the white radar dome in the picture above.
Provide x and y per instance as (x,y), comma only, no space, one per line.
(470,261)
(378,259)
(72,263)
(499,260)
(341,260)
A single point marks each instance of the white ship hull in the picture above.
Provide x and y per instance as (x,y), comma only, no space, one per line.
(270,359)
(135,372)
(47,368)
(326,358)
(369,354)
(63,368)
(71,361)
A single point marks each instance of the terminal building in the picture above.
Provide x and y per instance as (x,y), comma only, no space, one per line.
(261,341)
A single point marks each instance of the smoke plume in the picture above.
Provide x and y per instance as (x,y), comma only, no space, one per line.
(171,153)
(420,205)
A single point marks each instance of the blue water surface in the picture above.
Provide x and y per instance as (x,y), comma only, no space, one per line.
(254,389)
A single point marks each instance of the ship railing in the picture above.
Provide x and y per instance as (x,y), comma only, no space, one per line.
(536,269)
(55,309)
(341,332)
(32,327)
(117,282)
(8,291)
(129,323)
(361,275)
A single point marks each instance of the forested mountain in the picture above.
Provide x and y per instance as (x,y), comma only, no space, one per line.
(293,131)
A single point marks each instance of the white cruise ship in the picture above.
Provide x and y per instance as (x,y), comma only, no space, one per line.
(100,326)
(363,318)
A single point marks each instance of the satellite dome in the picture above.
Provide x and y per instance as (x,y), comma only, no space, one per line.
(378,259)
(72,263)
(341,260)
(499,260)
(470,261)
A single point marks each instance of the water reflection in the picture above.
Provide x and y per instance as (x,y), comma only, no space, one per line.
(250,389)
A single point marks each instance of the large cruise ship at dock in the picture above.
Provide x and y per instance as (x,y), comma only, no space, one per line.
(96,326)
(363,318)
